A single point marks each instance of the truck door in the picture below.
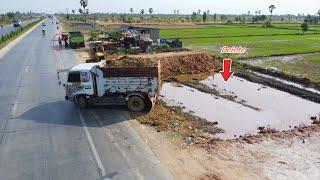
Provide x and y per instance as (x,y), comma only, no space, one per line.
(100,82)
(94,80)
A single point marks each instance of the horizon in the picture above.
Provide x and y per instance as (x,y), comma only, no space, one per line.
(231,7)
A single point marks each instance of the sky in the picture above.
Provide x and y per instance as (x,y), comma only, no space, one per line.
(165,6)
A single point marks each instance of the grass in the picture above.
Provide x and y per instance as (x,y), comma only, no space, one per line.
(307,66)
(12,36)
(279,40)
(232,31)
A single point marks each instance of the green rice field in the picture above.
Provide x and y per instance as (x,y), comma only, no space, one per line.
(281,39)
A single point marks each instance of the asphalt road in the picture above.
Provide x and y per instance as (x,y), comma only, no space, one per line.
(42,136)
(8,29)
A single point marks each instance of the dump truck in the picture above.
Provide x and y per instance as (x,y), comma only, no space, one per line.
(76,40)
(98,84)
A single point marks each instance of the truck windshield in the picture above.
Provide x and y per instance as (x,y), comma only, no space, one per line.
(74,77)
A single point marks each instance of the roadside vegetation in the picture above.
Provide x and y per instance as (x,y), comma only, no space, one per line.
(4,40)
(7,18)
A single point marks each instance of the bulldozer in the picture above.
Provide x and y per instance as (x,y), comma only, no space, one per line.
(96,50)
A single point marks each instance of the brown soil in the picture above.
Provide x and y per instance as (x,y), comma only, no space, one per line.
(188,127)
(177,63)
(284,155)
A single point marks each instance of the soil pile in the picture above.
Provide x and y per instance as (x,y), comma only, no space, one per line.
(187,64)
(172,64)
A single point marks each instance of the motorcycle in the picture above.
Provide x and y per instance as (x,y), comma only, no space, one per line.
(43,32)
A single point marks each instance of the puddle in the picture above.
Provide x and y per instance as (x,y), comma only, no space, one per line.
(278,110)
(83,26)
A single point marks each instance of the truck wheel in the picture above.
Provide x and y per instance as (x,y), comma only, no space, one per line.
(136,104)
(82,102)
(149,104)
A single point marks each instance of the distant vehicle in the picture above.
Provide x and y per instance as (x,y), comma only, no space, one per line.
(16,23)
(43,24)
(76,39)
(136,87)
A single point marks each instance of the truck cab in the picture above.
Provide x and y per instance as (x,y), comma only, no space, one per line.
(81,81)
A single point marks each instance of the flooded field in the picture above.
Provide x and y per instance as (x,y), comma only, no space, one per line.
(278,110)
(283,59)
(288,82)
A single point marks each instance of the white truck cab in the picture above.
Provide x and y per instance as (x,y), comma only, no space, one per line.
(91,84)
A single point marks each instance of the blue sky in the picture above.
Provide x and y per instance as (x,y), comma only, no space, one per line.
(166,6)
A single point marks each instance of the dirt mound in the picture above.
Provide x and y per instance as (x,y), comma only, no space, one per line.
(132,62)
(187,64)
(177,63)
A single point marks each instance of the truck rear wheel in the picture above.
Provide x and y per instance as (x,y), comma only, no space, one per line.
(81,102)
(136,104)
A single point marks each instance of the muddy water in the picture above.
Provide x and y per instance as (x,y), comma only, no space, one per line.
(288,82)
(278,110)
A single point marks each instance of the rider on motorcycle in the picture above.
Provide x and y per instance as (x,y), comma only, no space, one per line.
(43,32)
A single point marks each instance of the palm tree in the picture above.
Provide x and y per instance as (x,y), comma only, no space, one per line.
(199,11)
(73,11)
(84,4)
(318,12)
(150,11)
(131,10)
(271,8)
(142,11)
(174,11)
(80,11)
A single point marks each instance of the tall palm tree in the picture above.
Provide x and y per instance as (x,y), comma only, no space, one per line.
(84,4)
(150,11)
(80,10)
(271,8)
(131,10)
(142,11)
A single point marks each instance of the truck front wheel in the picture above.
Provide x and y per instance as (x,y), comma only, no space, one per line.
(136,104)
(81,102)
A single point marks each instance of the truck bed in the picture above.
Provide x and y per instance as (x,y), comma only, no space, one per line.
(128,80)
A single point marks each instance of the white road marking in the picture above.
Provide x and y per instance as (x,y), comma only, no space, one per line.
(26,70)
(91,144)
(121,150)
(14,109)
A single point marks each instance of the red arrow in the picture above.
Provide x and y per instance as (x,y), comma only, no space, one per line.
(226,73)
